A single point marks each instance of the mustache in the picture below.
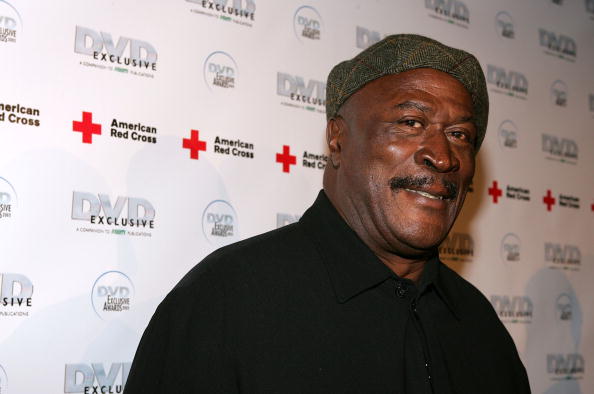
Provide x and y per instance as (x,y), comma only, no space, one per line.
(411,182)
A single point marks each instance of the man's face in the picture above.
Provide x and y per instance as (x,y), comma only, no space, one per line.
(406,157)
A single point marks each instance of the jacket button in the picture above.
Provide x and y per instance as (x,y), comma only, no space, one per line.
(400,290)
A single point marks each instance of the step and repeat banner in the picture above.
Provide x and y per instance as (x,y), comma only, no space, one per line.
(136,137)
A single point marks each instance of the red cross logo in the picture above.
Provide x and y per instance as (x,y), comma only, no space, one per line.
(549,200)
(194,145)
(86,127)
(495,192)
(286,158)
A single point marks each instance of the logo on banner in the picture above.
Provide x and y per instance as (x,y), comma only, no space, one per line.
(564,307)
(570,366)
(220,71)
(126,55)
(242,12)
(10,22)
(450,11)
(106,217)
(112,294)
(510,248)
(509,83)
(312,160)
(118,129)
(19,114)
(504,25)
(508,135)
(8,200)
(457,247)
(511,192)
(513,309)
(236,148)
(194,144)
(16,295)
(557,45)
(560,256)
(282,219)
(219,223)
(96,377)
(559,149)
(286,158)
(307,24)
(559,93)
(310,96)
(366,38)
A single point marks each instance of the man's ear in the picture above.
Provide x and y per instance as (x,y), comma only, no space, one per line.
(335,130)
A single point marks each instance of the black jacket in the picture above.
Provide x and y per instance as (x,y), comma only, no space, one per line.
(308,308)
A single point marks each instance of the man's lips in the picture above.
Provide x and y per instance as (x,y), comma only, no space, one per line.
(428,195)
(426,186)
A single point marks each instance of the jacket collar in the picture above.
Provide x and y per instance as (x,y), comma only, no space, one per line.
(351,265)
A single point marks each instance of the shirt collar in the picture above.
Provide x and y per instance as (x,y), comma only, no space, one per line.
(351,265)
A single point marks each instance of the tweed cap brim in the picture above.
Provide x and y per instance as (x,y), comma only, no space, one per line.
(402,52)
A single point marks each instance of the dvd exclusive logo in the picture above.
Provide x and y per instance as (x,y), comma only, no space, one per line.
(293,87)
(452,11)
(8,200)
(564,307)
(457,247)
(562,256)
(510,248)
(98,209)
(508,134)
(93,378)
(220,71)
(557,45)
(112,294)
(516,309)
(565,366)
(559,93)
(10,22)
(564,150)
(511,83)
(307,23)
(219,223)
(127,52)
(16,294)
(240,12)
(365,37)
(18,114)
(504,25)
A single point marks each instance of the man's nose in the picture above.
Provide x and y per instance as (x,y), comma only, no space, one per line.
(436,153)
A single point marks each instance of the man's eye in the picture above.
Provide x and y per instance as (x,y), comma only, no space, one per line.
(460,135)
(412,123)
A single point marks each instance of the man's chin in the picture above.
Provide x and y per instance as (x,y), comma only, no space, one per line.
(422,242)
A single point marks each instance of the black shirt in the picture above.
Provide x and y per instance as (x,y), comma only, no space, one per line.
(309,308)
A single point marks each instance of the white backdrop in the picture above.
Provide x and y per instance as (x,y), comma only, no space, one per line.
(94,234)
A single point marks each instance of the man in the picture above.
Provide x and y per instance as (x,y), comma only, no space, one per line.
(353,298)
